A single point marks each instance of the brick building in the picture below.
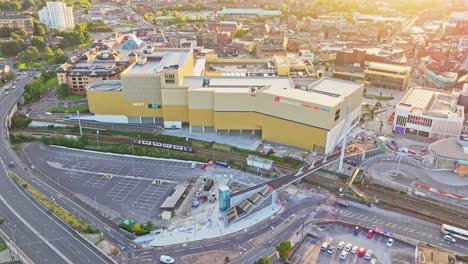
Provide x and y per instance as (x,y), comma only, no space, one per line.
(17,22)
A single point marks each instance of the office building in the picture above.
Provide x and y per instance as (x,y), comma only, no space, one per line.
(387,76)
(57,15)
(17,22)
(429,113)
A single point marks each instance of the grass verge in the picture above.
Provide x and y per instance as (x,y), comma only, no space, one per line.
(54,208)
(378,97)
(2,244)
(83,108)
(51,82)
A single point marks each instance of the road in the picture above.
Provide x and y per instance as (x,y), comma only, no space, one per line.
(397,223)
(42,237)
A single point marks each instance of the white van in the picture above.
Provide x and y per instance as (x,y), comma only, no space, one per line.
(166,259)
(324,246)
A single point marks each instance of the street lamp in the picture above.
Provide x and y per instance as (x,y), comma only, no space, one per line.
(79,122)
(97,139)
(398,167)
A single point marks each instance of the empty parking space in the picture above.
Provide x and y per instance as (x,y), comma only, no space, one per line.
(152,196)
(84,165)
(96,181)
(139,172)
(62,161)
(111,169)
(123,188)
(75,174)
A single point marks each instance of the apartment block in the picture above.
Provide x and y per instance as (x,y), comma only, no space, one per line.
(17,22)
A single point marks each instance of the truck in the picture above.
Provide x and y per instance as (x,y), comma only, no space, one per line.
(208,185)
(222,164)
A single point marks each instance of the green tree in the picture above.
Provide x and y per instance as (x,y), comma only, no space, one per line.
(6,32)
(34,89)
(48,55)
(7,76)
(21,32)
(12,47)
(263,260)
(60,56)
(149,225)
(284,249)
(137,228)
(177,16)
(40,29)
(38,41)
(14,36)
(30,55)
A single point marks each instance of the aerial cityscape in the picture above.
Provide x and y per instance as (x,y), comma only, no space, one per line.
(234,131)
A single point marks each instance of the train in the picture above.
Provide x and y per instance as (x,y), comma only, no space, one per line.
(159,144)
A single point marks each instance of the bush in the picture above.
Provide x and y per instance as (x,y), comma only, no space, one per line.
(263,260)
(142,232)
(18,139)
(284,249)
(91,229)
(20,122)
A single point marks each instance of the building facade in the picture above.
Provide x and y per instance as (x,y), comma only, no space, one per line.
(387,76)
(271,46)
(57,15)
(92,66)
(160,88)
(429,113)
(17,22)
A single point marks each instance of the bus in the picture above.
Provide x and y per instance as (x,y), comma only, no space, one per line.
(455,232)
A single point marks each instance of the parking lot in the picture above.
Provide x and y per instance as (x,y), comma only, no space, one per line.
(309,250)
(119,186)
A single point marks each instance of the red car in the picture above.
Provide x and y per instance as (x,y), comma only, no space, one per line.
(361,252)
(203,166)
(370,233)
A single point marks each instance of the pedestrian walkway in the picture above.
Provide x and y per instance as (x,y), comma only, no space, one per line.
(205,228)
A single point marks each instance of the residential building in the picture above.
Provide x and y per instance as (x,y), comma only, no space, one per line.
(270,46)
(224,26)
(17,22)
(92,66)
(356,59)
(57,15)
(457,23)
(246,13)
(429,113)
(160,88)
(307,54)
(4,68)
(387,75)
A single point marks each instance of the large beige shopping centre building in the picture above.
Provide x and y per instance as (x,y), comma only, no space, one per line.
(162,87)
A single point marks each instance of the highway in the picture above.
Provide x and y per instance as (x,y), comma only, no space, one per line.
(42,237)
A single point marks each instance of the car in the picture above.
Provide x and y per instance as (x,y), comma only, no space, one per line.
(331,250)
(368,254)
(356,231)
(361,252)
(1,220)
(13,87)
(354,249)
(194,165)
(340,245)
(343,254)
(450,238)
(390,242)
(7,93)
(12,164)
(348,247)
(203,166)
(370,233)
(373,261)
(166,259)
(342,203)
(324,246)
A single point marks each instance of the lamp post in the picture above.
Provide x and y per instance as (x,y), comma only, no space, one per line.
(398,167)
(79,122)
(97,139)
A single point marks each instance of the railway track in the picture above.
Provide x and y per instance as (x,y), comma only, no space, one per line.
(420,207)
(427,209)
(124,139)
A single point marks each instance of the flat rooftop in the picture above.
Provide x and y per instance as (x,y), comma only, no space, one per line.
(106,86)
(332,87)
(386,66)
(249,11)
(421,100)
(159,60)
(236,83)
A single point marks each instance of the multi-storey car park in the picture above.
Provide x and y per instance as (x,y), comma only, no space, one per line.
(161,87)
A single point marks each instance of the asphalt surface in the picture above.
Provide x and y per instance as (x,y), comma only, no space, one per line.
(403,225)
(43,238)
(130,192)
